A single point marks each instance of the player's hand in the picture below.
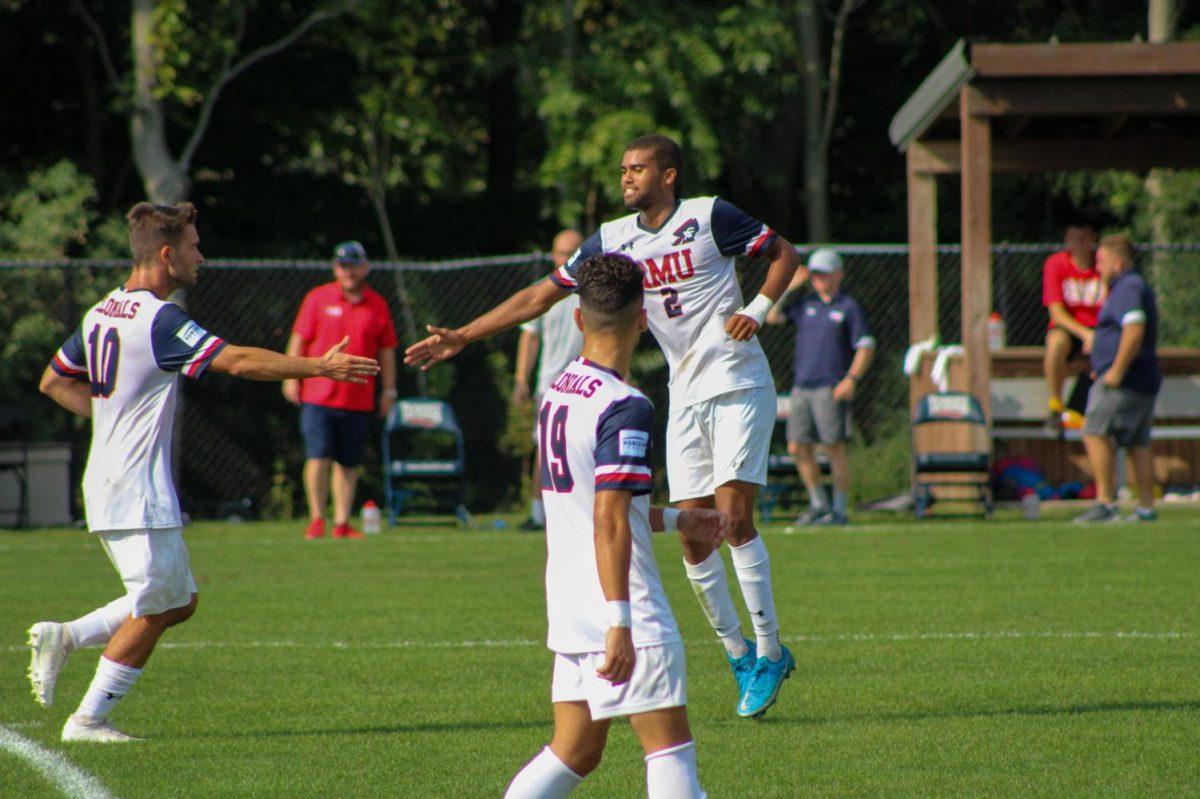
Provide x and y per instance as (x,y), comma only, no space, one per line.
(741,328)
(706,525)
(1113,380)
(291,391)
(337,365)
(619,656)
(443,344)
(844,390)
(520,393)
(1086,340)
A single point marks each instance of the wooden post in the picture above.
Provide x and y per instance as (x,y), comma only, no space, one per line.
(922,262)
(976,246)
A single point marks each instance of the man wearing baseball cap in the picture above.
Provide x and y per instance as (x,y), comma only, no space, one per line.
(834,347)
(335,418)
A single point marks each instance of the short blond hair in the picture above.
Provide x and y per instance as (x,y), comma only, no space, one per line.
(1120,246)
(152,227)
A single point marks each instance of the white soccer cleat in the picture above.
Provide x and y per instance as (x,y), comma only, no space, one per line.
(100,731)
(49,644)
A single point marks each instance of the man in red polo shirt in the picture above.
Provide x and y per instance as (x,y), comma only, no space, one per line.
(1072,292)
(336,417)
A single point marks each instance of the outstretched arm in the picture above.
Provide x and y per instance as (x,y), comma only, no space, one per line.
(254,363)
(742,325)
(528,303)
(73,394)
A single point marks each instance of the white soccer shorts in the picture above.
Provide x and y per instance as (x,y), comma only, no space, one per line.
(154,566)
(659,681)
(721,439)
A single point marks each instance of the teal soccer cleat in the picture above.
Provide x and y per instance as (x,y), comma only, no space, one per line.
(763,689)
(743,667)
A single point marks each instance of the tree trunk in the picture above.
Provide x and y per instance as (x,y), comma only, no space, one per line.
(816,168)
(504,123)
(163,180)
(1161,25)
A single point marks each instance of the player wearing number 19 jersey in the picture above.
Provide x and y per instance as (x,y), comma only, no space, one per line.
(722,397)
(121,368)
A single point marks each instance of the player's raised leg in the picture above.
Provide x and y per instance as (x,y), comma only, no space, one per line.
(574,752)
(51,643)
(670,753)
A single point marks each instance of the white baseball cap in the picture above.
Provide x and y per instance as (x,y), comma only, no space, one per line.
(825,261)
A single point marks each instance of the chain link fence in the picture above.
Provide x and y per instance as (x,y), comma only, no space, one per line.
(239,447)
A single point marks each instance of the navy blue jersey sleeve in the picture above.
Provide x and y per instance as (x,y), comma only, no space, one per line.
(856,325)
(794,310)
(70,360)
(1126,301)
(181,345)
(737,233)
(623,446)
(566,276)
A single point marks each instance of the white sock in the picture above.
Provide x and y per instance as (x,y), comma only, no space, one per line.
(99,625)
(537,511)
(544,777)
(752,565)
(816,497)
(841,502)
(112,681)
(671,773)
(712,589)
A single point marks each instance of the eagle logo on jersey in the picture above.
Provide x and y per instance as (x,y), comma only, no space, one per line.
(686,232)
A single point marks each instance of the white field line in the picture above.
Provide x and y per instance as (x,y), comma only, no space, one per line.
(515,643)
(66,776)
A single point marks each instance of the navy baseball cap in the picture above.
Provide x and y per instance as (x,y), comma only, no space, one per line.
(350,252)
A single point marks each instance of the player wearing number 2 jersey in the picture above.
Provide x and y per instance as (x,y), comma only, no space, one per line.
(120,368)
(721,387)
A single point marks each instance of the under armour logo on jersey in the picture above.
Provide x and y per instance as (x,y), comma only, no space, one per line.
(627,246)
(686,232)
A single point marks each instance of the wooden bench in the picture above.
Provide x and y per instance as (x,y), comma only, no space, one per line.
(1018,409)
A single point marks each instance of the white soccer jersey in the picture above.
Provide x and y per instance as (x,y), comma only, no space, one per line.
(561,341)
(594,432)
(691,290)
(131,347)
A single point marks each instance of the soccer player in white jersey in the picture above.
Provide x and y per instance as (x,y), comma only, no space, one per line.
(617,648)
(121,368)
(557,340)
(722,395)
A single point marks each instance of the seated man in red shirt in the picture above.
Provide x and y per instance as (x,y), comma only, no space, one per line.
(1072,292)
(335,418)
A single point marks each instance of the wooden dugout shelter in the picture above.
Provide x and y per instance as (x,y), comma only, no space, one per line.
(1030,107)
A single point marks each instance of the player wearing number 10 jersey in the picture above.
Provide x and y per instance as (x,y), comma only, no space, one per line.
(722,395)
(120,368)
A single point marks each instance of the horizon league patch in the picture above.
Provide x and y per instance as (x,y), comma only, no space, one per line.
(633,443)
(191,334)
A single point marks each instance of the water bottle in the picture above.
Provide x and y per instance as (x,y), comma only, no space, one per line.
(995,332)
(372,518)
(1031,506)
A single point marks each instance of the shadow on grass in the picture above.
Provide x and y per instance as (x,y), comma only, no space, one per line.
(966,713)
(386,729)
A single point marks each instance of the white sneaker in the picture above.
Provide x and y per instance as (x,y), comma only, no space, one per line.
(49,644)
(101,731)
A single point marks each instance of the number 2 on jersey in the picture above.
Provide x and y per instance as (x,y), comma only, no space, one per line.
(102,365)
(671,302)
(556,471)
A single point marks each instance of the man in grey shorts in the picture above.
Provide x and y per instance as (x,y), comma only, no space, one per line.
(833,350)
(1120,405)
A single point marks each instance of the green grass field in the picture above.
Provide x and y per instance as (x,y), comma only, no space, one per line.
(943,659)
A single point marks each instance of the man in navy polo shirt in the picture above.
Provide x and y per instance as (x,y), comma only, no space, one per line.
(834,347)
(1120,405)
